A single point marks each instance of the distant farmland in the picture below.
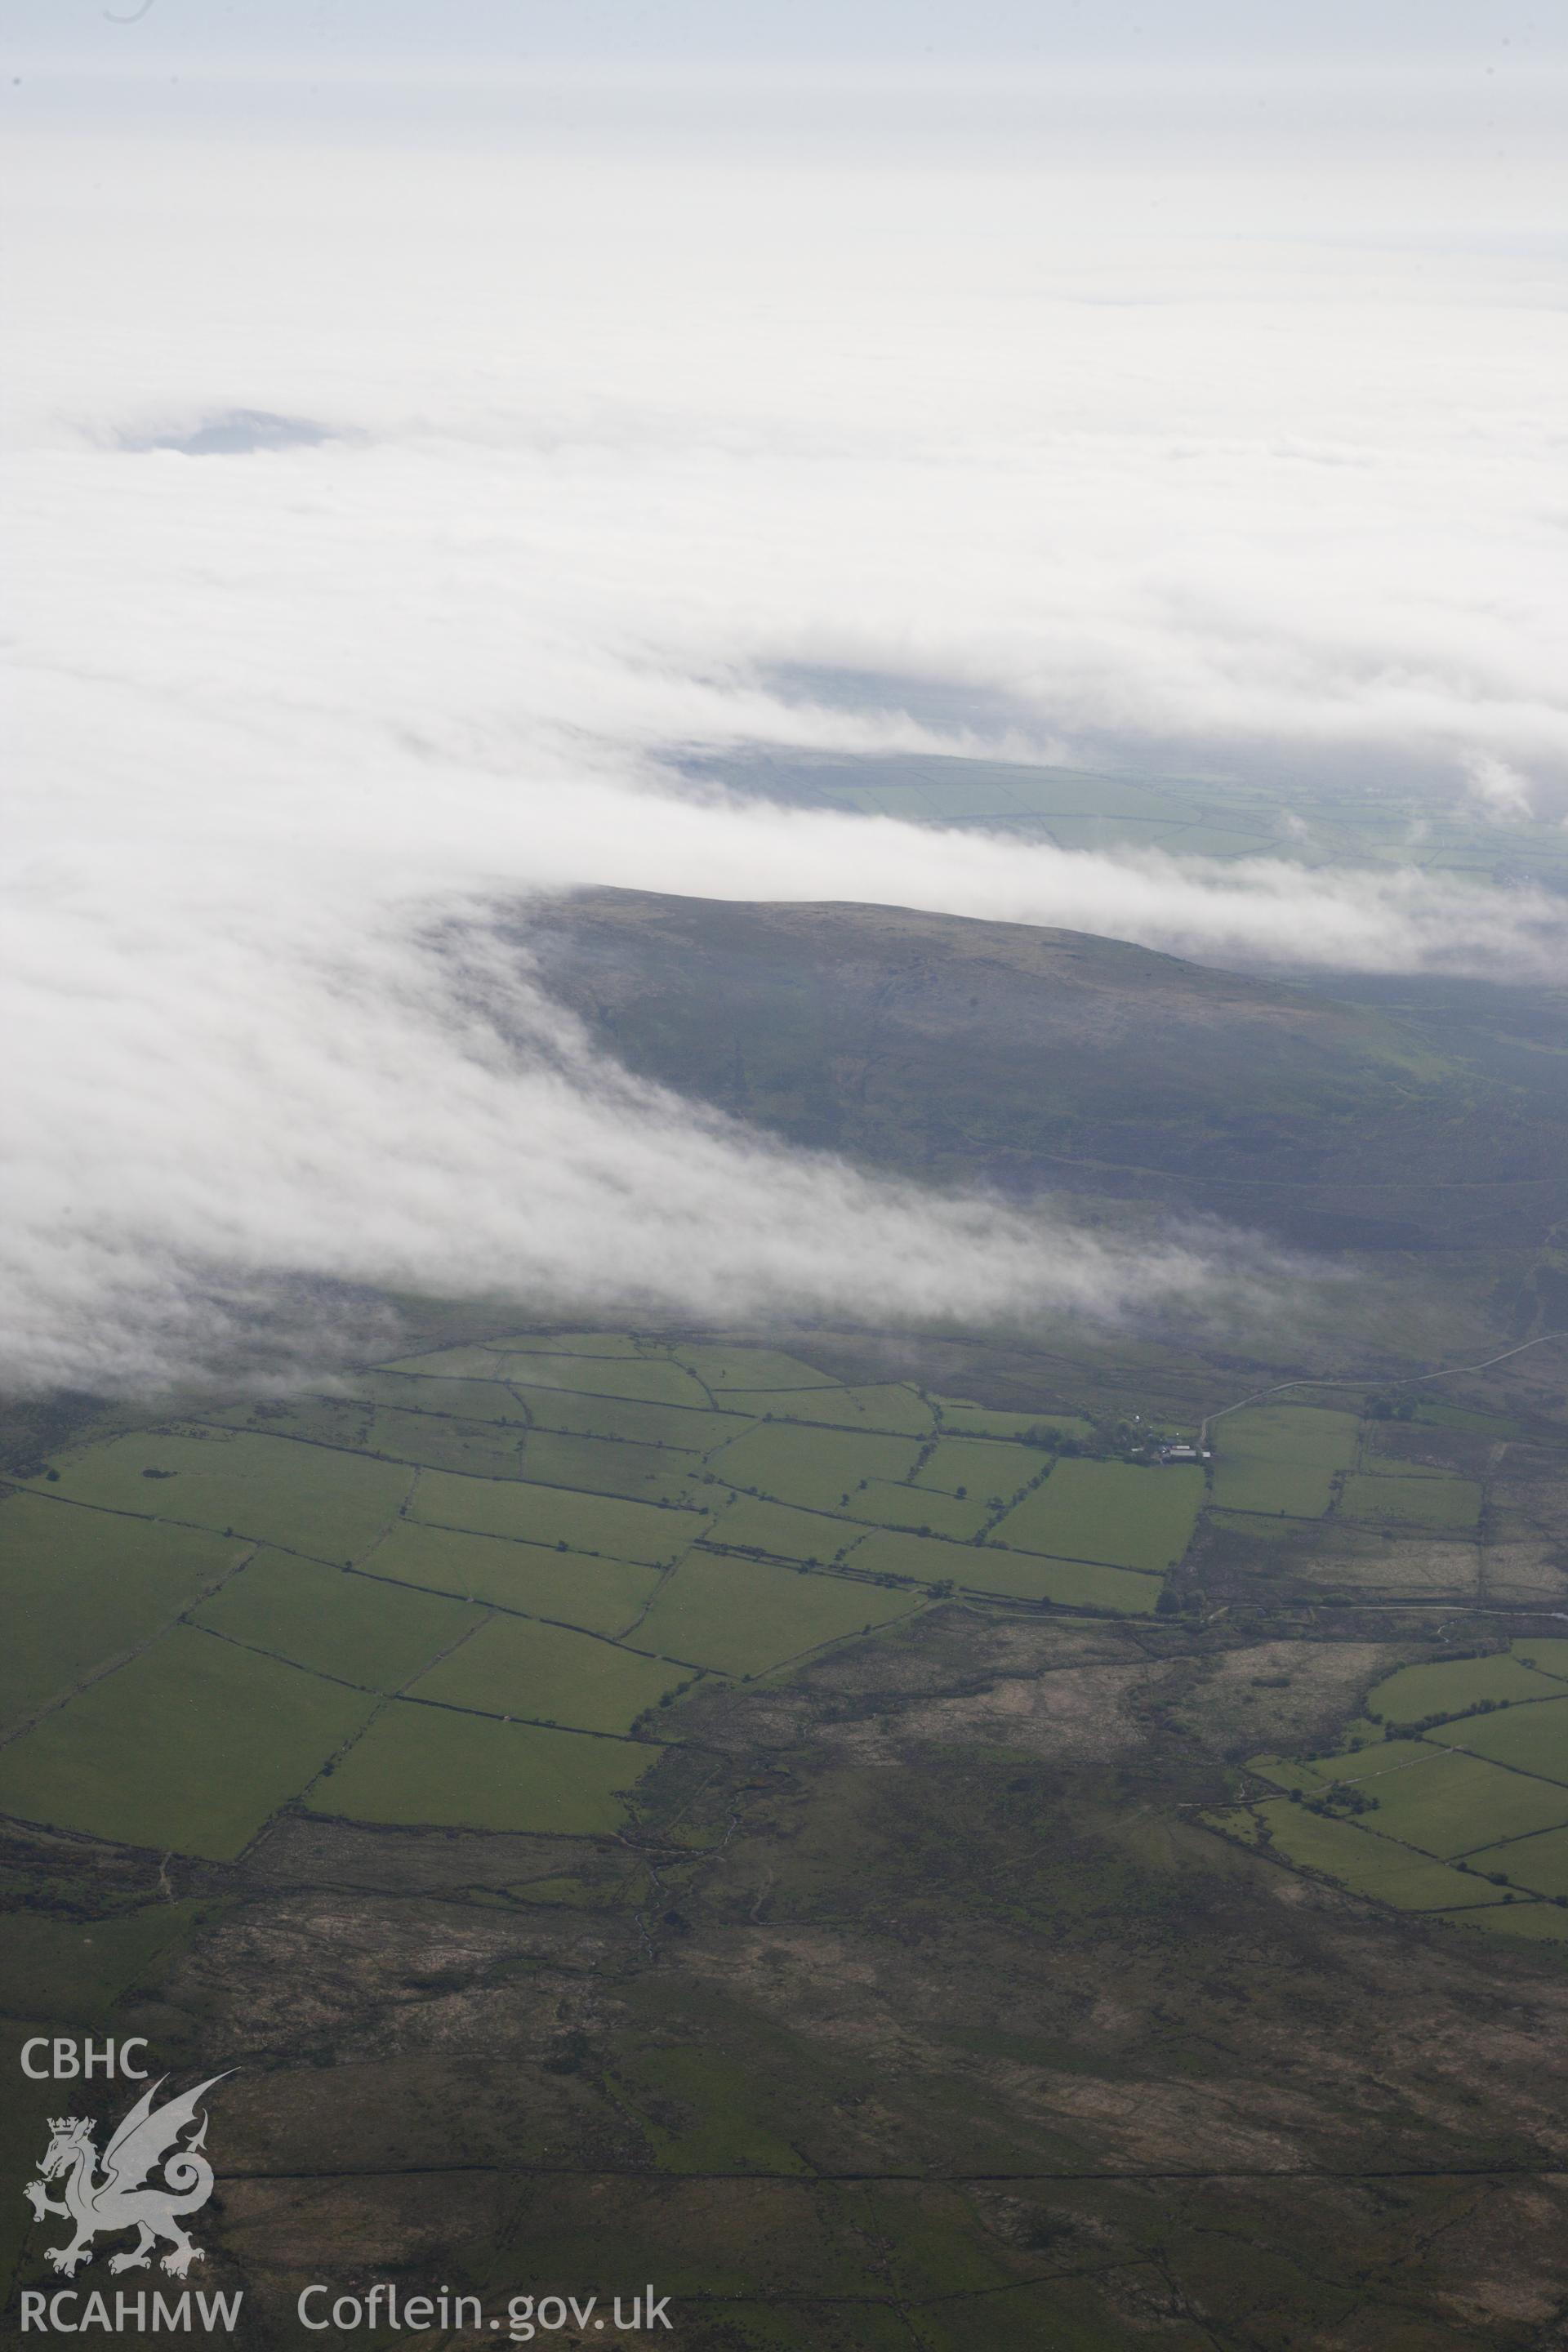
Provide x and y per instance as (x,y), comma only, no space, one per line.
(362,1601)
(472,1590)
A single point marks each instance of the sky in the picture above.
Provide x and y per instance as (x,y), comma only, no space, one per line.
(1190,391)
(373,35)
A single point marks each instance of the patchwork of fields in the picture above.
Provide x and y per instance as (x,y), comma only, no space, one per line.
(1448,1796)
(471,1587)
(468,1588)
(606,1732)
(1304,1461)
(1313,1500)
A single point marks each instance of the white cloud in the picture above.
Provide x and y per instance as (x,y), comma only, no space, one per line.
(1498,789)
(619,436)
(201,1116)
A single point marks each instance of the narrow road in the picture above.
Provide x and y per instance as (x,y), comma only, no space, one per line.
(1372,1379)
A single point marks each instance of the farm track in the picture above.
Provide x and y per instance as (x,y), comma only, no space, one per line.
(1380,1379)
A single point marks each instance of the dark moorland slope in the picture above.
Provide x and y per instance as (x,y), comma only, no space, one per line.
(1038,1059)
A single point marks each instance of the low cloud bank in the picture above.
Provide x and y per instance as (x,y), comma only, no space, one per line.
(599,449)
(206,1134)
(1257,912)
(236,1074)
(235,1063)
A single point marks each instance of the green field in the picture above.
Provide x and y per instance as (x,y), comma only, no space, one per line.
(431,1764)
(334,1623)
(678,1425)
(1536,1922)
(1009,1575)
(986,1467)
(602,1596)
(553,1514)
(1296,1491)
(650,1380)
(1451,1685)
(446,1441)
(343,1421)
(722,1370)
(958,1417)
(79,1587)
(1289,1772)
(1361,1759)
(1281,1458)
(1433,1500)
(816,1469)
(896,1410)
(448,1364)
(1447,1805)
(650,1474)
(1368,1862)
(1310,1436)
(191,1746)
(587,1343)
(331,1506)
(1116,1512)
(923,1509)
(929,1559)
(467,1400)
(1431,1415)
(1461,1787)
(749,1525)
(746,1616)
(1531,1739)
(550,1675)
(1540,1864)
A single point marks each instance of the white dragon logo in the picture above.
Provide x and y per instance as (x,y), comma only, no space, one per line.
(123,2196)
